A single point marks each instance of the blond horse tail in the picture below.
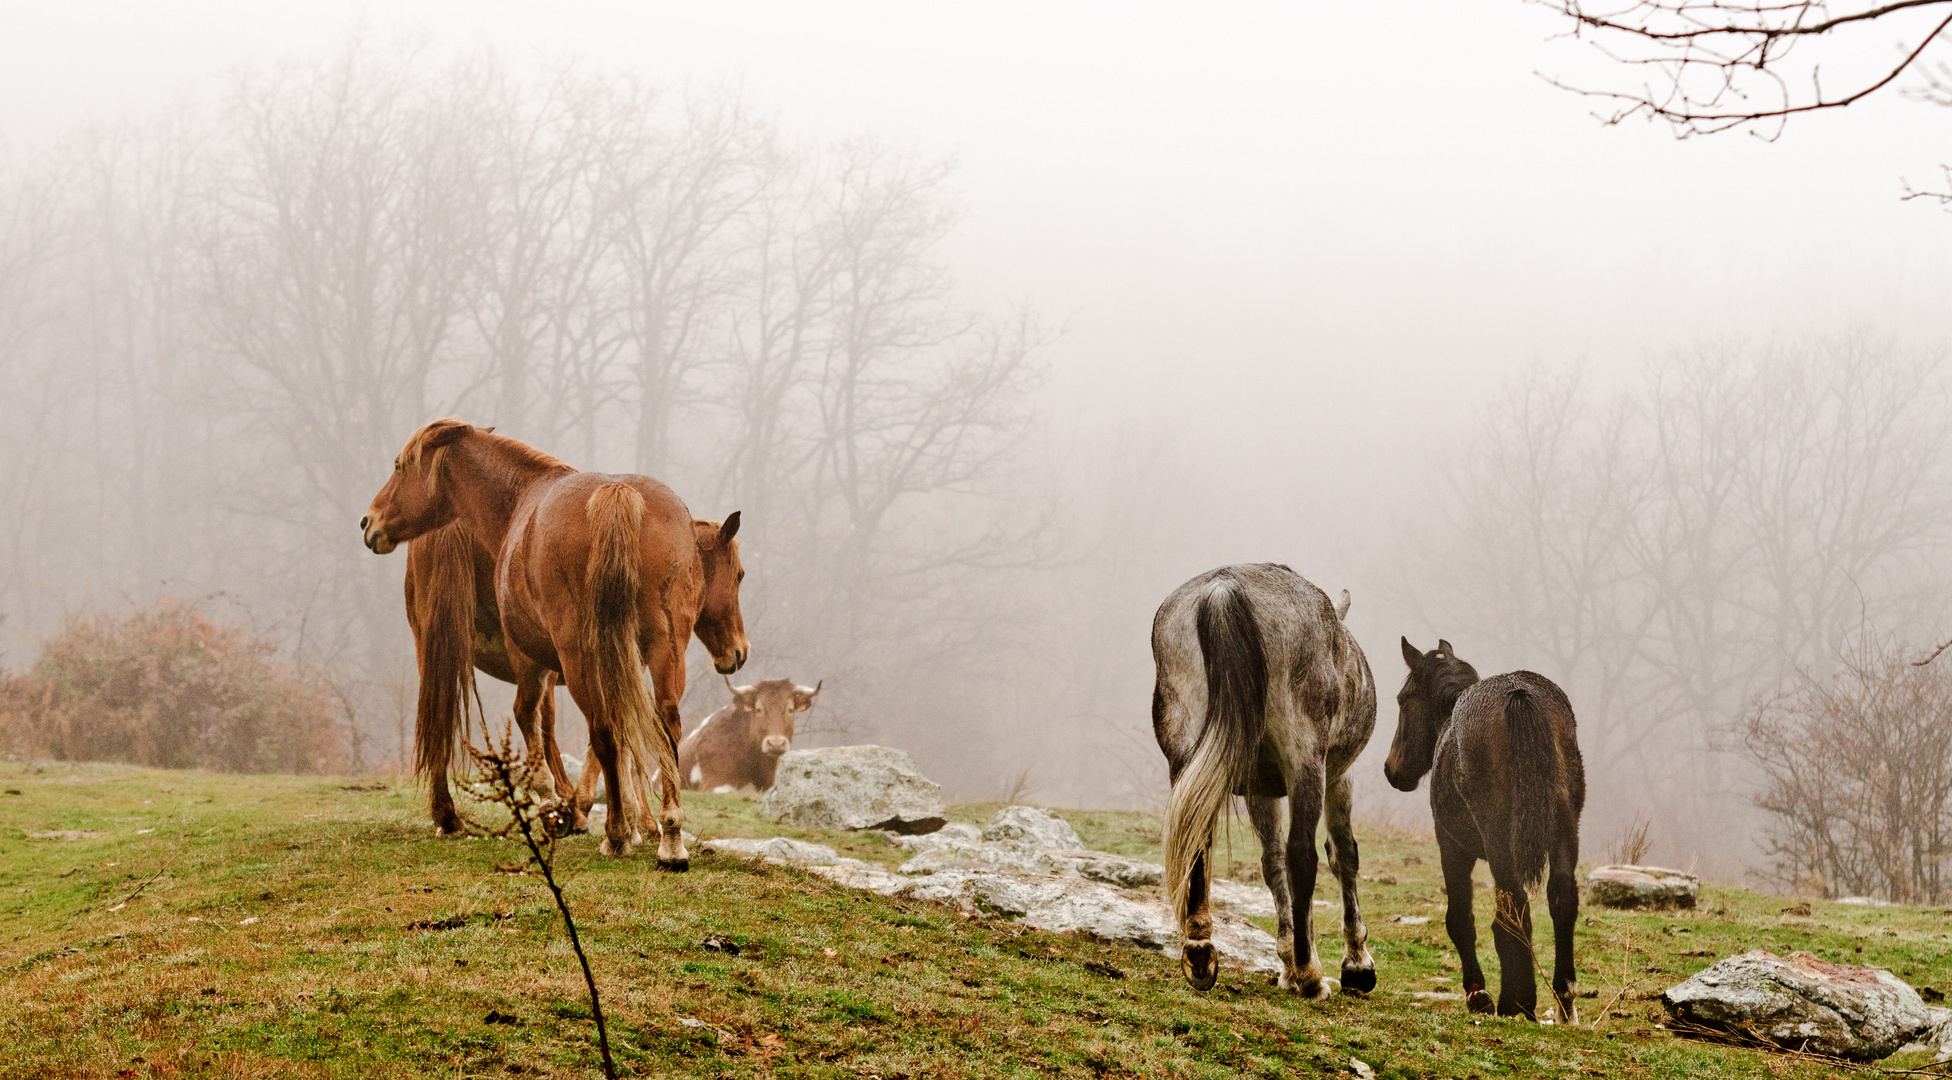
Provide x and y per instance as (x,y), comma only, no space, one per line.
(1236,708)
(442,561)
(610,631)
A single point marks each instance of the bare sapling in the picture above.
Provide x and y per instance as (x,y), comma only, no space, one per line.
(502,777)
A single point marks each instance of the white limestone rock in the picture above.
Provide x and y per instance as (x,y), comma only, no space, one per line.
(853,787)
(1031,829)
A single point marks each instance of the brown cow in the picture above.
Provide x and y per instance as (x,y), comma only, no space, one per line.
(741,744)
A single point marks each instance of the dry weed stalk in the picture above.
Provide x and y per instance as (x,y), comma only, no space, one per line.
(503,778)
(1631,846)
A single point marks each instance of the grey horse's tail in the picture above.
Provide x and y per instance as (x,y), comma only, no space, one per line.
(1236,708)
(1533,765)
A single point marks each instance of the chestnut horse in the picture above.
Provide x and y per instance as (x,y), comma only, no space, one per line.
(1262,692)
(457,629)
(1506,786)
(595,576)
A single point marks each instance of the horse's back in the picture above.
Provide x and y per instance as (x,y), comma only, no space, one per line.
(1318,676)
(1507,727)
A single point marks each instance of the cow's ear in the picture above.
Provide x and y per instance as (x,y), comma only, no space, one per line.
(1410,654)
(803,697)
(728,530)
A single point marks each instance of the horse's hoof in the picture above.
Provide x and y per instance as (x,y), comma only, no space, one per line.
(1201,965)
(615,849)
(1479,1001)
(1358,980)
(676,866)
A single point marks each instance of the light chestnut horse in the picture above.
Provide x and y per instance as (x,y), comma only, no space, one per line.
(596,576)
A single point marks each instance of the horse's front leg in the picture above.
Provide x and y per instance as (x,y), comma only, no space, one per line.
(1304,974)
(1458,920)
(531,683)
(668,683)
(1265,813)
(1358,967)
(545,720)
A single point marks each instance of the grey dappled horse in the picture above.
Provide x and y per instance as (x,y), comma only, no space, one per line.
(1262,692)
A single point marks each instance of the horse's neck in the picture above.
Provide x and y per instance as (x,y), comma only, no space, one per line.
(489,486)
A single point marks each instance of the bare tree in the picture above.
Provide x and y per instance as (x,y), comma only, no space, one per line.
(1857,775)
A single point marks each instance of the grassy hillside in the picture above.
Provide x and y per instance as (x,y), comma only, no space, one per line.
(188,924)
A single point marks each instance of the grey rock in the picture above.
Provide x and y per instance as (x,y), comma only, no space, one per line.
(1803,1003)
(978,856)
(854,787)
(1642,887)
(1242,898)
(1937,1038)
(1032,829)
(776,849)
(1064,905)
(1106,867)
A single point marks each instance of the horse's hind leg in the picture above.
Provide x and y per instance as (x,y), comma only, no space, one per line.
(1304,814)
(1562,899)
(1511,931)
(447,820)
(1266,816)
(1462,925)
(1358,967)
(668,683)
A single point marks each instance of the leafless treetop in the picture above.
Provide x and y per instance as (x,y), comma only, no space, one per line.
(1717,65)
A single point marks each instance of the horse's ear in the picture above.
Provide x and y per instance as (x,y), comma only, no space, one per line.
(1410,654)
(488,431)
(1444,647)
(728,530)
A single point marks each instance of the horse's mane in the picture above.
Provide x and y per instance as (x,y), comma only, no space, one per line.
(511,451)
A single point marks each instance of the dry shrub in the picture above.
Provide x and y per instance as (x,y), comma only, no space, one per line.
(170,688)
(1858,774)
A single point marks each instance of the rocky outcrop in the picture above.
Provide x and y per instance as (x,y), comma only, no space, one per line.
(1650,887)
(1802,1003)
(853,787)
(1031,829)
(1065,891)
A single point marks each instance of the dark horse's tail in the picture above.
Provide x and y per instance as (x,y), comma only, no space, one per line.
(1236,711)
(440,573)
(1533,763)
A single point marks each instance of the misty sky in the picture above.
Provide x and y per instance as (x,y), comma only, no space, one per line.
(1362,215)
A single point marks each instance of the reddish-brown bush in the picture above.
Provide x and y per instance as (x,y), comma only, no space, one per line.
(170,688)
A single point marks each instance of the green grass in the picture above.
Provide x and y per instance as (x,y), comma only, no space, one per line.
(294,927)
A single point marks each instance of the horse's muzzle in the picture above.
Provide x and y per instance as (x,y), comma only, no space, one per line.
(738,661)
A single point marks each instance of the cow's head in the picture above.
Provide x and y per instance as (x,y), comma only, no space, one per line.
(770,709)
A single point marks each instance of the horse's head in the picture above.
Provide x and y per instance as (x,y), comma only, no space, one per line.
(1423,710)
(720,627)
(770,709)
(414,501)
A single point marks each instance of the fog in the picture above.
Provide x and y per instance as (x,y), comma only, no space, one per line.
(1350,288)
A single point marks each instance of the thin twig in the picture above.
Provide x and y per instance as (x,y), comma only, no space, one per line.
(506,784)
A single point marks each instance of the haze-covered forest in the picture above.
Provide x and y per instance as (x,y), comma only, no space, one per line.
(222,315)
